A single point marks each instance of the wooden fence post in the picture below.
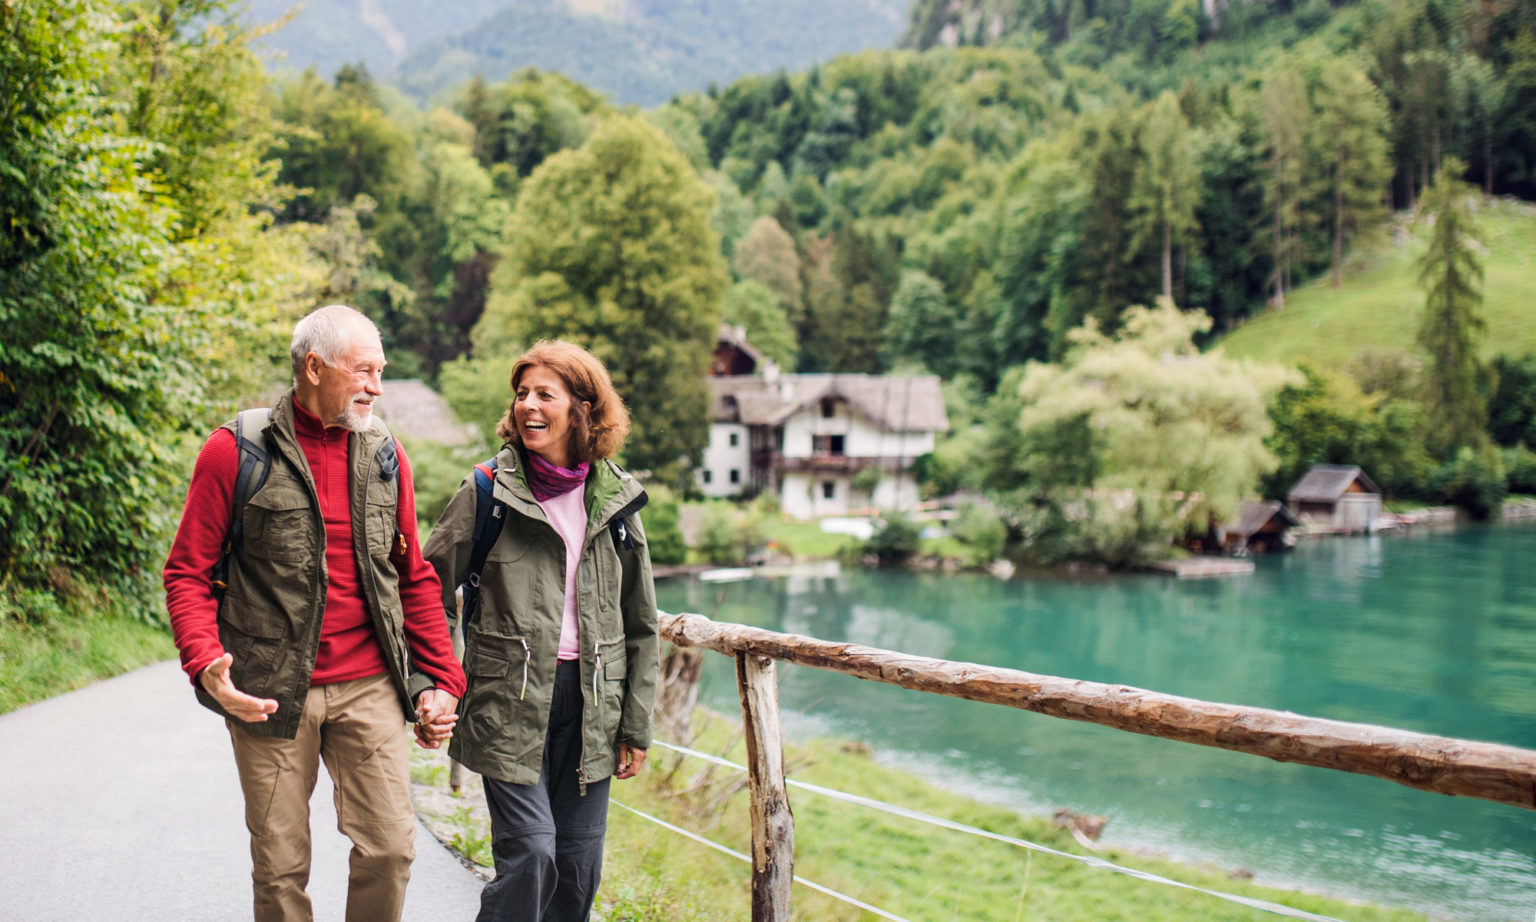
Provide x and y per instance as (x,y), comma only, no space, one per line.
(773,823)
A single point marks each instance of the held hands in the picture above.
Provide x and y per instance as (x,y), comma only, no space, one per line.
(435,717)
(216,682)
(630,759)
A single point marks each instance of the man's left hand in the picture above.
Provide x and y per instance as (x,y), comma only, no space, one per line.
(630,759)
(435,718)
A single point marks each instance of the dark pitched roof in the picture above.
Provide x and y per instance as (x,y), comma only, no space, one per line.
(896,402)
(414,410)
(1252,516)
(1325,483)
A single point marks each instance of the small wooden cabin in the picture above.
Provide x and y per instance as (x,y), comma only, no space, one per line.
(1336,497)
(1259,529)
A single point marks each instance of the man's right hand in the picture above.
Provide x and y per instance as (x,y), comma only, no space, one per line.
(236,703)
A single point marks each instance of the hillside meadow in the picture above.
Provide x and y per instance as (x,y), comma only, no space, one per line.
(1379,305)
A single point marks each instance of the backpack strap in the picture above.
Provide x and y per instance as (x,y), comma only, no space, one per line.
(255,461)
(388,454)
(490,514)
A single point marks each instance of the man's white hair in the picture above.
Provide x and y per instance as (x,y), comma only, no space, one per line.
(330,333)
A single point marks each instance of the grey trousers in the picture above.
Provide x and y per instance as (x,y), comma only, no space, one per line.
(547,839)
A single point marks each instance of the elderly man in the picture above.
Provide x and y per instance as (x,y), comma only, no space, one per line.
(326,632)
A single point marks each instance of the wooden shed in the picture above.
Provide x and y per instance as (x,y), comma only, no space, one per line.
(1259,528)
(1336,497)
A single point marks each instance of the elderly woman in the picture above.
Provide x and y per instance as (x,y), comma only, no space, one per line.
(562,653)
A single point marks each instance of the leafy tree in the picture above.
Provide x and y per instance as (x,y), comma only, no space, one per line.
(338,143)
(752,306)
(1040,249)
(610,247)
(1451,273)
(1327,419)
(95,376)
(1132,439)
(444,241)
(188,80)
(922,326)
(1512,408)
(1514,143)
(1350,135)
(846,278)
(1167,185)
(530,116)
(767,255)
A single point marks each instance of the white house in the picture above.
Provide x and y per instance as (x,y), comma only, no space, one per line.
(810,438)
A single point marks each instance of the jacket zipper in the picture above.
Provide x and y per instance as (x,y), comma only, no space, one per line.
(527,655)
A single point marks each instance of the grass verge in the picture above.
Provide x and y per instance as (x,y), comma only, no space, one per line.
(912,870)
(40,660)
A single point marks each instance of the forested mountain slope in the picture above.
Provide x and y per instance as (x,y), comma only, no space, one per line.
(634,51)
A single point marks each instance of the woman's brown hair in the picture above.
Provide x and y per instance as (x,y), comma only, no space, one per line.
(599,421)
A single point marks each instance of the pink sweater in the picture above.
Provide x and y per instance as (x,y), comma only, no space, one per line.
(568,514)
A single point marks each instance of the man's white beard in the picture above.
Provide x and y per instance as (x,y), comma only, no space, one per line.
(352,420)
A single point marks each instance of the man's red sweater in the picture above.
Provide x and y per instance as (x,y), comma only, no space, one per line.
(349,648)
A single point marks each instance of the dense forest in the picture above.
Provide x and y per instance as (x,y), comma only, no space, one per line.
(1055,208)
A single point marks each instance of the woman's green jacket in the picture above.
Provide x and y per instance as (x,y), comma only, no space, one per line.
(511,647)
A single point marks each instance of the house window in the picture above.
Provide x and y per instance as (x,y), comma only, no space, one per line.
(708,475)
(828,489)
(828,408)
(735,475)
(735,439)
(828,444)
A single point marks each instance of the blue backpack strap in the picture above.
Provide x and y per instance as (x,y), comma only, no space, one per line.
(490,513)
(255,461)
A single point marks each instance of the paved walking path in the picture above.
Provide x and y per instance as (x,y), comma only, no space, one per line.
(120,801)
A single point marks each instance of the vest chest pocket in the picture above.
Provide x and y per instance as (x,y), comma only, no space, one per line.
(279,525)
(382,521)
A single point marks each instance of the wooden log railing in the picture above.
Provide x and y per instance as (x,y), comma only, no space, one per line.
(1444,765)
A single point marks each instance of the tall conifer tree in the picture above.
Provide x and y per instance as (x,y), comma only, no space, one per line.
(1451,273)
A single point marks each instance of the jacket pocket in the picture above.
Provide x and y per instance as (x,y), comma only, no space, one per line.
(495,706)
(612,668)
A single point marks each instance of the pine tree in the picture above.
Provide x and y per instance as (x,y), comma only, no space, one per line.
(1451,274)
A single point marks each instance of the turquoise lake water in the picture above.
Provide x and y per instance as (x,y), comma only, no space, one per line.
(1433,632)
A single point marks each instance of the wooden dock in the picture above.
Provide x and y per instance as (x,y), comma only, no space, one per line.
(1199,567)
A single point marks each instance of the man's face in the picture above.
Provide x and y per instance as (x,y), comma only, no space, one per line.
(344,392)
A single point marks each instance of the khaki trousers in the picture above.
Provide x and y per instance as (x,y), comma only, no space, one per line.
(359,730)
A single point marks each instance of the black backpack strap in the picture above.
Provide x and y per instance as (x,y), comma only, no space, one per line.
(255,462)
(490,514)
(388,454)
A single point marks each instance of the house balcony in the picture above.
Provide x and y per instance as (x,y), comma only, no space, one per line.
(826,463)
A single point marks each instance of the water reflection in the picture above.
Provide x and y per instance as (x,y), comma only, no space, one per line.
(1435,633)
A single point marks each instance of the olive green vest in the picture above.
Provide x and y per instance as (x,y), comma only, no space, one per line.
(270,617)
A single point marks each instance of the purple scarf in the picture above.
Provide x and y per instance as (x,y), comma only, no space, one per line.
(548,480)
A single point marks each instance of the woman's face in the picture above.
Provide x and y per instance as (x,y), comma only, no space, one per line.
(542,411)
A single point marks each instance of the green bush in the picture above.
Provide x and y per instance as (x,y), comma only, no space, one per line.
(1473,481)
(982,530)
(896,542)
(1519,469)
(1105,527)
(662,534)
(720,539)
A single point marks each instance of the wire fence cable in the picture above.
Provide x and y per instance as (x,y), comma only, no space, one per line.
(1089,860)
(748,859)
